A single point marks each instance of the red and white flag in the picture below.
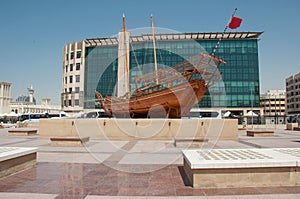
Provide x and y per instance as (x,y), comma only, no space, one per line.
(235,22)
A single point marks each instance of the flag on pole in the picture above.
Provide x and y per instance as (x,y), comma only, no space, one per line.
(235,22)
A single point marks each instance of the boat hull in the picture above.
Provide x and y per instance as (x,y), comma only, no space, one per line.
(173,102)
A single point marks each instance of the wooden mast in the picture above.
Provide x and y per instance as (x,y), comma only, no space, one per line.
(154,49)
(126,54)
(123,83)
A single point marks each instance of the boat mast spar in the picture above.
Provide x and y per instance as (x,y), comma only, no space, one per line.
(223,34)
(154,49)
(126,54)
(123,83)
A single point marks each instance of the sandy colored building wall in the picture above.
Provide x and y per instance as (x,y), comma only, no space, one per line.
(105,128)
(5,97)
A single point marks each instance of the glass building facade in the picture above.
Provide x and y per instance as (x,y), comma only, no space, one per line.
(240,86)
(101,65)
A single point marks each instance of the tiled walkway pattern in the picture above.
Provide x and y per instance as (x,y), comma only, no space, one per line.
(79,180)
(98,169)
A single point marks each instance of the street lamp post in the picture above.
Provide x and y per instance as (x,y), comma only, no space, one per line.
(275,119)
(251,95)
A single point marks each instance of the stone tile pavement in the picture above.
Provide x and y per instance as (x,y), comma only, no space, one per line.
(126,169)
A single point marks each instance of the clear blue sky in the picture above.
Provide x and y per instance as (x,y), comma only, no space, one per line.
(33,33)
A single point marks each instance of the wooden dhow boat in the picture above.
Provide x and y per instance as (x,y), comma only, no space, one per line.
(167,93)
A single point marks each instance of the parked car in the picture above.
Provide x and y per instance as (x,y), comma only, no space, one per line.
(96,114)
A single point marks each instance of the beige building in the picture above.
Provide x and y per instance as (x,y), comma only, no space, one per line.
(273,102)
(72,97)
(26,104)
(293,94)
(24,107)
(5,97)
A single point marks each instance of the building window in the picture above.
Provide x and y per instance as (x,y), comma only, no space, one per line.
(70,90)
(77,78)
(66,68)
(65,90)
(71,67)
(70,79)
(76,89)
(72,55)
(77,66)
(65,102)
(78,54)
(76,102)
(70,102)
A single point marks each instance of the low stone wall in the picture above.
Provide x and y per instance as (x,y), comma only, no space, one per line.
(105,128)
(15,159)
(22,131)
(228,168)
(68,141)
(291,126)
(262,133)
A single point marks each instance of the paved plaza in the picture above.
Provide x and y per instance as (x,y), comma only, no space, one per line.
(127,169)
